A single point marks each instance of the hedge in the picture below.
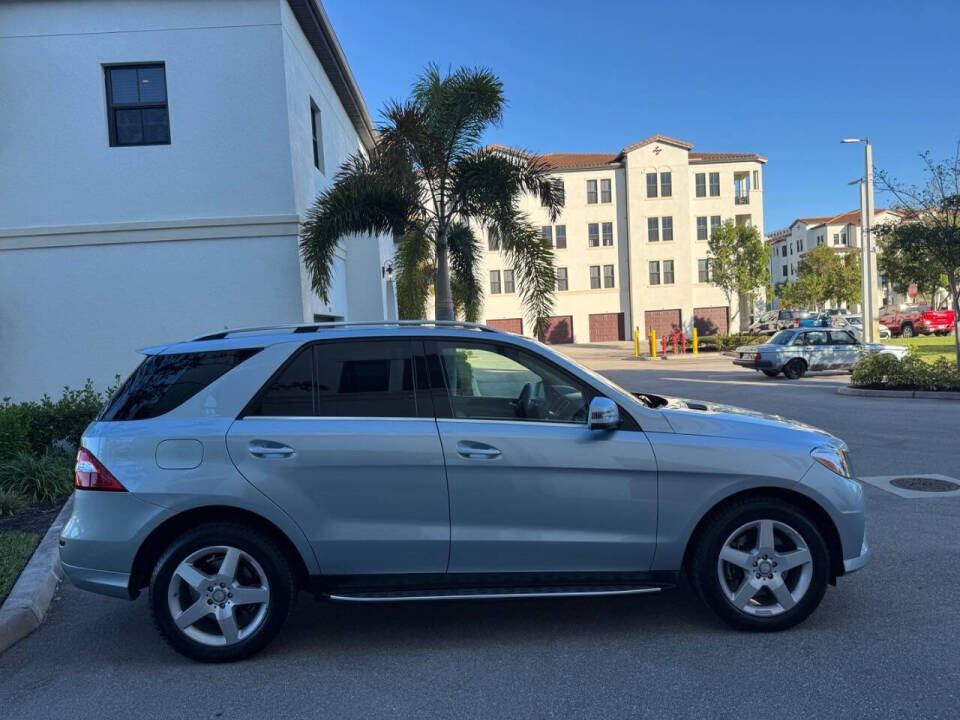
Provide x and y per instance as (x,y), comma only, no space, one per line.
(882,371)
(731,342)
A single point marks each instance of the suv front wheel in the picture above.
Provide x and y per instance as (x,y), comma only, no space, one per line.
(761,565)
(221,592)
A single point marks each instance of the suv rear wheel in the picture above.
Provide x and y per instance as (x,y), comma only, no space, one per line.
(221,592)
(761,565)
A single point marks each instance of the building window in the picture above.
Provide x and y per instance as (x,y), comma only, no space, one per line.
(608,277)
(508,281)
(799,244)
(137,105)
(494,282)
(317,130)
(594,277)
(561,238)
(651,185)
(653,229)
(608,234)
(836,238)
(715,222)
(784,249)
(667,223)
(668,272)
(654,272)
(784,270)
(593,234)
(700,181)
(493,240)
(562,283)
(592,192)
(843,238)
(605,192)
(703,271)
(702,228)
(715,184)
(756,179)
(547,233)
(666,184)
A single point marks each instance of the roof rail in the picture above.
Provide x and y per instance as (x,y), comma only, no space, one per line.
(314,327)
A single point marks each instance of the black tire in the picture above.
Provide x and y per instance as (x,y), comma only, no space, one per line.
(275,565)
(770,373)
(906,331)
(795,369)
(703,565)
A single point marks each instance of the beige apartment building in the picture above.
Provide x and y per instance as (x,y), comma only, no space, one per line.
(631,241)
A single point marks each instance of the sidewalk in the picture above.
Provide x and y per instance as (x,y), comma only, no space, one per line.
(607,356)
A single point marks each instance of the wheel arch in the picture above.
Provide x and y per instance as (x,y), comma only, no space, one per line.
(818,515)
(161,536)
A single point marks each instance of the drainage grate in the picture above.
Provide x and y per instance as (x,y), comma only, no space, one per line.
(924,484)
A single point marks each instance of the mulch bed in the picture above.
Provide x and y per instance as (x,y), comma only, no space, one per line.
(34,519)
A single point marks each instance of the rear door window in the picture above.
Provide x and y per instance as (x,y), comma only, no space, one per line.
(290,393)
(164,382)
(841,337)
(366,379)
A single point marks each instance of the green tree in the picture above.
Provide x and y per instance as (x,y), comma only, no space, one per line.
(428,181)
(739,261)
(931,223)
(903,267)
(825,275)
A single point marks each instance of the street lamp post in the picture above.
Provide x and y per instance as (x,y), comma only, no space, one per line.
(866,221)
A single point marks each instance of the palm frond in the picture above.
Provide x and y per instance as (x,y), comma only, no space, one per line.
(362,200)
(488,183)
(532,261)
(413,262)
(465,249)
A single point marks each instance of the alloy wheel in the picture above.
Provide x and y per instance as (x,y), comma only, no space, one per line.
(765,568)
(218,595)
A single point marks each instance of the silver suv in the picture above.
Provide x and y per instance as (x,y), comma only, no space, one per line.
(417,461)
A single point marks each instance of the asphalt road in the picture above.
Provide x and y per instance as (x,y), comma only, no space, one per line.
(884,643)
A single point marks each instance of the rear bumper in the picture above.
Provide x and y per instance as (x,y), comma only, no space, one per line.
(934,328)
(103,582)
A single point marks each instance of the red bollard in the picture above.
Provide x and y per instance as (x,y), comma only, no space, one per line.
(675,343)
(683,343)
(663,342)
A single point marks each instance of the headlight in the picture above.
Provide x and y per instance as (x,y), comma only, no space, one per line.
(834,459)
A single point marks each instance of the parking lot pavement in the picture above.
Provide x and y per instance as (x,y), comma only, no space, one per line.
(883,644)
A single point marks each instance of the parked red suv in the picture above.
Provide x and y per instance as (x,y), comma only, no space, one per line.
(910,320)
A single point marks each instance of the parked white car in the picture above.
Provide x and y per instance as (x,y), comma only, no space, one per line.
(855,324)
(793,352)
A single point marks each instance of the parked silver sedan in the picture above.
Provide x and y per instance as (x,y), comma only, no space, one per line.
(795,351)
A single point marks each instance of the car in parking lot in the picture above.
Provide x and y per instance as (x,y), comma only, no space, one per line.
(794,352)
(794,317)
(438,461)
(854,323)
(765,324)
(909,320)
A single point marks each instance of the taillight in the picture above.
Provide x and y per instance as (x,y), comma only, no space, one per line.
(90,474)
(757,357)
(796,323)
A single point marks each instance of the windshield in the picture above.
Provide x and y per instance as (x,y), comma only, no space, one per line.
(781,338)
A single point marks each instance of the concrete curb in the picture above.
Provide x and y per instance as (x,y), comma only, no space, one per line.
(28,601)
(689,357)
(917,394)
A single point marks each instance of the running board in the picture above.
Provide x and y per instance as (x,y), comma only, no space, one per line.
(490,593)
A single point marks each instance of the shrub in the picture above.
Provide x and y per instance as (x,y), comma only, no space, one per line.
(729,342)
(11,502)
(883,371)
(38,477)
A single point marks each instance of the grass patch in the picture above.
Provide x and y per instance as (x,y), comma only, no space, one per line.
(929,348)
(15,550)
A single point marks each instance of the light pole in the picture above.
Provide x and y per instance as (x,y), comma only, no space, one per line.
(866,220)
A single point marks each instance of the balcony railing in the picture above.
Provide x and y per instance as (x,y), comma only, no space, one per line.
(742,200)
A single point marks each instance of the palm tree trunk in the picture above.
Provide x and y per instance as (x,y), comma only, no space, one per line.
(443,307)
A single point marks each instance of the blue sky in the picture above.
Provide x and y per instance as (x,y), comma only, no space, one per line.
(784,79)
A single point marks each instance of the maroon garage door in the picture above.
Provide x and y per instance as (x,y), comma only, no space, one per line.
(663,321)
(606,327)
(711,320)
(559,330)
(511,325)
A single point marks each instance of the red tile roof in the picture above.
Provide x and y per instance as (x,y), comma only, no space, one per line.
(578,160)
(725,157)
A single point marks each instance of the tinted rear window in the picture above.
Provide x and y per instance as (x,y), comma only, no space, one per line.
(164,382)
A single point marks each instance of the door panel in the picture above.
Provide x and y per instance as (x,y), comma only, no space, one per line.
(370,494)
(557,497)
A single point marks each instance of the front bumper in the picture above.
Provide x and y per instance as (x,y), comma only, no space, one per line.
(855,563)
(754,364)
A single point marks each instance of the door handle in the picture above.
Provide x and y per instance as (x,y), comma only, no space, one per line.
(476,450)
(270,450)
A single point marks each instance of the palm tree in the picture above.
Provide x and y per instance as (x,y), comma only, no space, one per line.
(429,182)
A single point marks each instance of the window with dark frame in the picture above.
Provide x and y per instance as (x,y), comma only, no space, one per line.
(608,276)
(715,184)
(668,272)
(547,232)
(316,127)
(607,231)
(591,192)
(561,233)
(508,286)
(666,184)
(605,192)
(562,281)
(700,181)
(495,282)
(137,112)
(594,277)
(651,184)
(666,224)
(702,228)
(654,266)
(715,222)
(653,229)
(593,234)
(703,270)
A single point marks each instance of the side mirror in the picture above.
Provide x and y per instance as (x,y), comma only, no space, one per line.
(604,414)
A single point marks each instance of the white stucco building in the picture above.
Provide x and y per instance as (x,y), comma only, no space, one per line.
(630,245)
(156,160)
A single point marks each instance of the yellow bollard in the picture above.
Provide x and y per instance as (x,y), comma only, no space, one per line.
(636,342)
(653,343)
(696,342)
